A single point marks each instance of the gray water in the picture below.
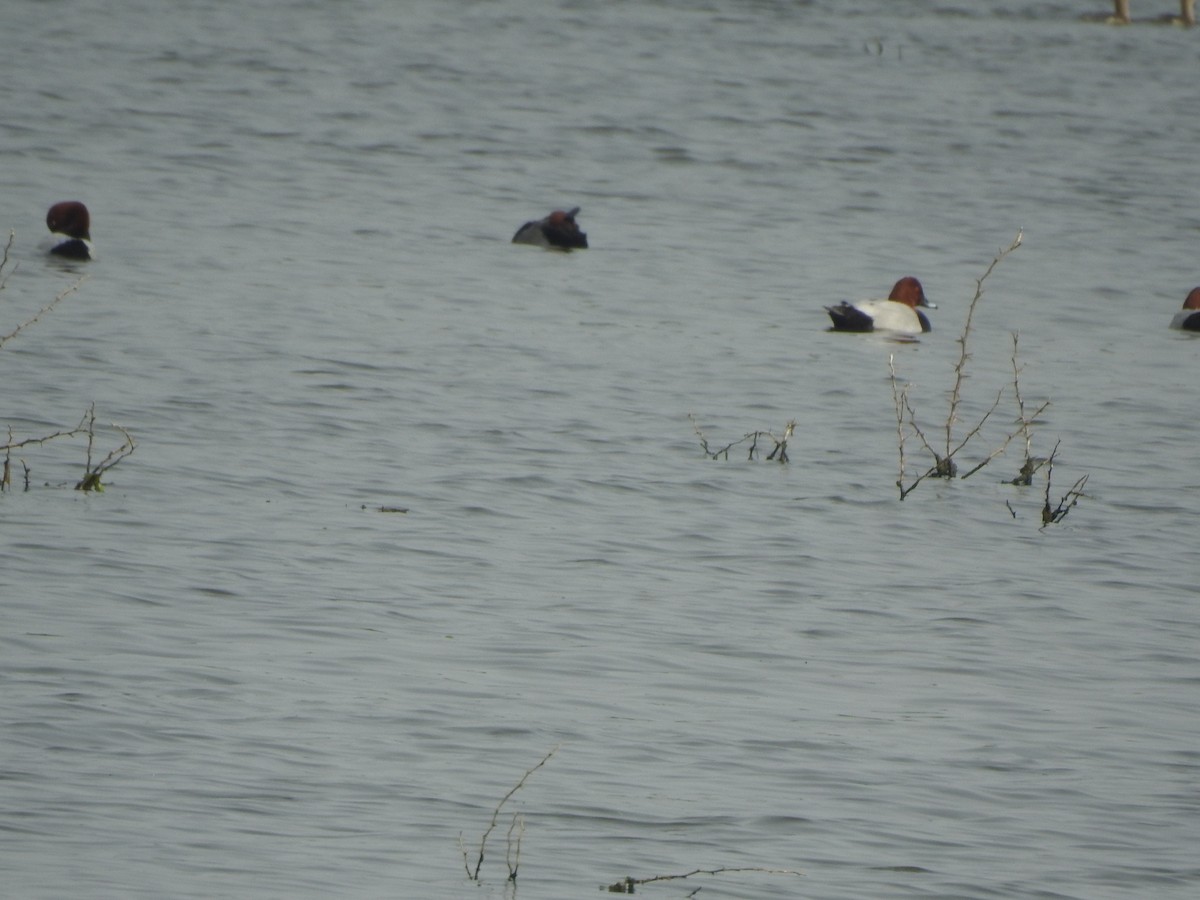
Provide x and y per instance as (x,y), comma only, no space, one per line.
(231,675)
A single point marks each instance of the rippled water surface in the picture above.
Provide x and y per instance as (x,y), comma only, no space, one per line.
(231,675)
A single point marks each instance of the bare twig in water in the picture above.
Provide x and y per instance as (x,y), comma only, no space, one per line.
(778,453)
(906,416)
(12,236)
(900,400)
(964,354)
(91,474)
(6,474)
(944,465)
(66,292)
(512,852)
(627,884)
(1030,465)
(781,443)
(87,425)
(473,874)
(1066,502)
(974,431)
(14,444)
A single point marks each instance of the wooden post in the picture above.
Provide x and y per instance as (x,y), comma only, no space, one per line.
(1187,12)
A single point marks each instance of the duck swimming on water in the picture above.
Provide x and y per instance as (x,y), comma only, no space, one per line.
(70,230)
(1188,318)
(558,230)
(897,313)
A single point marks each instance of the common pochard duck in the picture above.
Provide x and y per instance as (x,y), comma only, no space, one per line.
(1188,318)
(70,230)
(557,230)
(897,313)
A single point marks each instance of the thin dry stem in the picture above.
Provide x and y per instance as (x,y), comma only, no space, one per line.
(12,236)
(943,467)
(66,292)
(1029,466)
(91,473)
(512,852)
(474,874)
(779,452)
(964,355)
(87,424)
(13,445)
(900,401)
(906,418)
(627,884)
(1068,500)
(974,431)
(91,479)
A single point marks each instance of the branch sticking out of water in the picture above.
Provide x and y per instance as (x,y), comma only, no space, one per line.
(12,236)
(960,367)
(1066,502)
(944,465)
(627,884)
(66,292)
(513,859)
(1027,420)
(778,453)
(512,849)
(91,474)
(87,425)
